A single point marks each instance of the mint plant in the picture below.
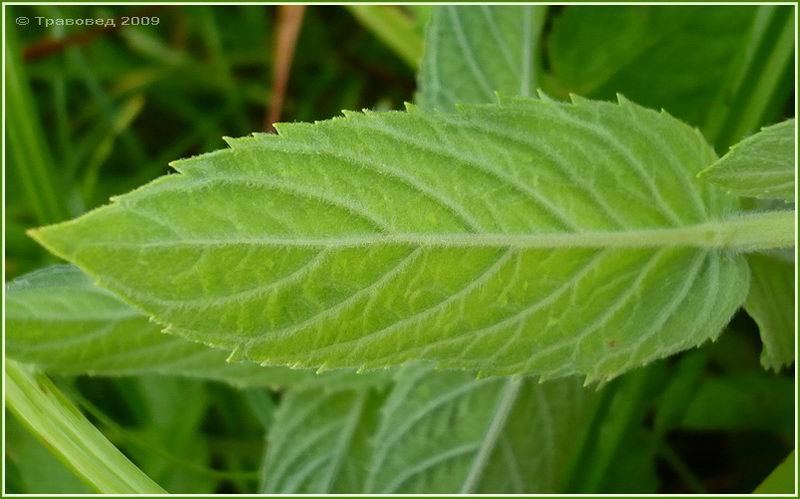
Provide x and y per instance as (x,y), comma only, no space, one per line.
(459,297)
(469,204)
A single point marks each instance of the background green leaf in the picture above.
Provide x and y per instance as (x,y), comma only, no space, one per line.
(449,432)
(772,305)
(472,52)
(60,322)
(675,59)
(440,432)
(321,439)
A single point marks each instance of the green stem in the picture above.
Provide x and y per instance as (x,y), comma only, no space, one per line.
(49,415)
(768,230)
(394,28)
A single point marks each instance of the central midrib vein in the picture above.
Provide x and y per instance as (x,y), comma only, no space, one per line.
(765,230)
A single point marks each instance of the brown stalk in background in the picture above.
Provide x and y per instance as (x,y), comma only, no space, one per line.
(290,20)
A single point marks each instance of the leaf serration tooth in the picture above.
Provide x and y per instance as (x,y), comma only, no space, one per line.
(543,96)
(577,100)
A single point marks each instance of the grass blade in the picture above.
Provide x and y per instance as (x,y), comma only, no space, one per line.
(27,144)
(393,28)
(38,403)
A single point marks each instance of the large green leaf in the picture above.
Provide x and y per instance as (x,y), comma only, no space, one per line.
(434,433)
(60,322)
(760,166)
(674,57)
(471,52)
(771,303)
(525,237)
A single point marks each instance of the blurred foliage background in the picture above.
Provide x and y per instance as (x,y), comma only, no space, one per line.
(97,111)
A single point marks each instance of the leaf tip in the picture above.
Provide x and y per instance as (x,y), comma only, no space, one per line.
(50,237)
(34,233)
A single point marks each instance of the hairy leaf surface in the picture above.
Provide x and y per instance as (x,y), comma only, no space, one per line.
(771,304)
(60,322)
(525,237)
(436,432)
(471,52)
(601,50)
(760,166)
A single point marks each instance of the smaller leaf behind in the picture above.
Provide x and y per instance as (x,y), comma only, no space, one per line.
(321,439)
(771,304)
(435,432)
(760,166)
(58,321)
(447,432)
(471,52)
